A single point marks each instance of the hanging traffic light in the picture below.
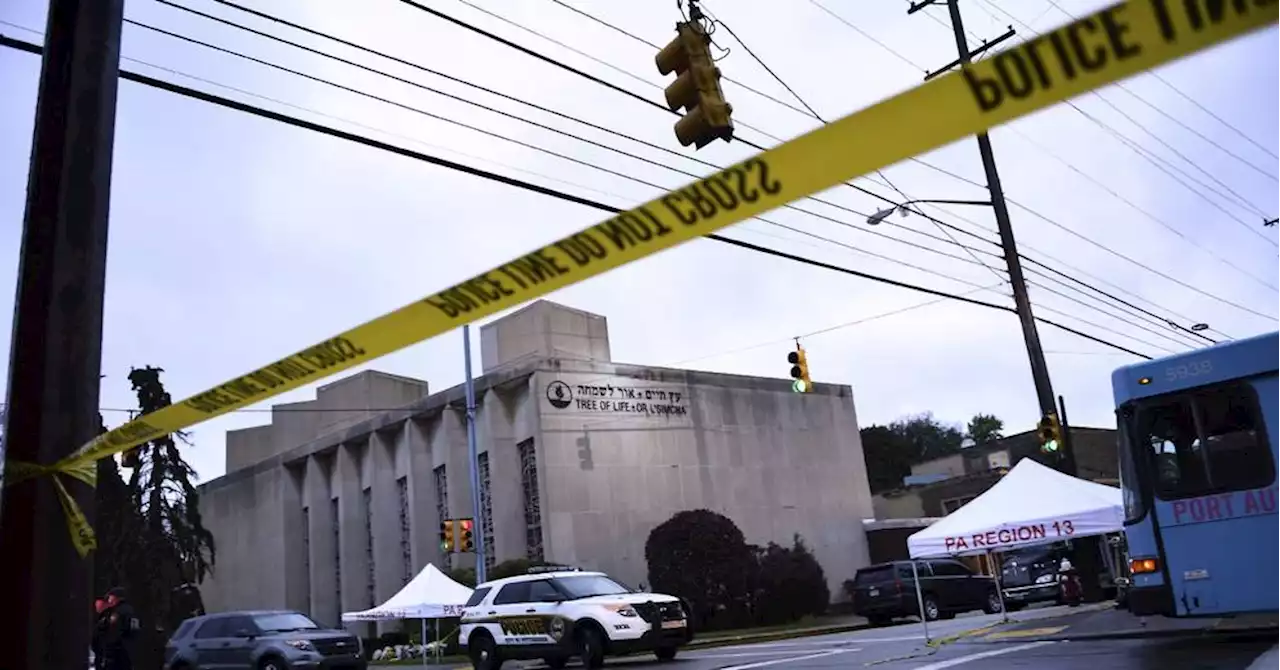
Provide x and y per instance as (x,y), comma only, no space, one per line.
(697,86)
(466,538)
(799,370)
(1049,432)
(447,535)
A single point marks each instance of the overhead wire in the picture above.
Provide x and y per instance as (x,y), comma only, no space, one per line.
(228,103)
(351,44)
(1193,101)
(629,177)
(531,105)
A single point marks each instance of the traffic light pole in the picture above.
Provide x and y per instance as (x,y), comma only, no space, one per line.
(56,354)
(1039,368)
(473,461)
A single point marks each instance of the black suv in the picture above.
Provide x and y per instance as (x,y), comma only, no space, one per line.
(265,640)
(887,591)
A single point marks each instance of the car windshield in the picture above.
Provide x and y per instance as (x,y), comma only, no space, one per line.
(587,586)
(284,622)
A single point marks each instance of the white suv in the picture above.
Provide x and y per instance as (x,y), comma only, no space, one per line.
(554,614)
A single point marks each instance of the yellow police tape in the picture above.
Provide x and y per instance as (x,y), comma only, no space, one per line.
(1106,46)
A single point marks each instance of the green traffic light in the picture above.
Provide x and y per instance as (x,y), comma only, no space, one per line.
(1050,447)
(799,386)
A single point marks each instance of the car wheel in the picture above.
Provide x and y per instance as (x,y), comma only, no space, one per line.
(992,605)
(590,647)
(931,610)
(484,653)
(665,653)
(271,663)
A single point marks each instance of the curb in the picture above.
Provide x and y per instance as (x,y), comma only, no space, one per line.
(775,636)
(1143,634)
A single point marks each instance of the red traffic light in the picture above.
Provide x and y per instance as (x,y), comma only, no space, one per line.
(465,524)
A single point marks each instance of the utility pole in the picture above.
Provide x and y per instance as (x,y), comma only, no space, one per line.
(56,355)
(1039,369)
(1084,551)
(473,462)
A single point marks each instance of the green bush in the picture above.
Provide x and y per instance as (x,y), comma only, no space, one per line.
(702,557)
(789,584)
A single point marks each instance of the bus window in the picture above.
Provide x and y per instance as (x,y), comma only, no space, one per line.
(1206,442)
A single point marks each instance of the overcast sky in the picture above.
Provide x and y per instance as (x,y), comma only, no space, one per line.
(236,240)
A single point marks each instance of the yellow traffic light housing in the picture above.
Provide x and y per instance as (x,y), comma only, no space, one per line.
(696,88)
(466,538)
(800,370)
(1049,432)
(447,537)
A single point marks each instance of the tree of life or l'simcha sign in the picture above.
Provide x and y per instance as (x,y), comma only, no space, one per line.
(617,399)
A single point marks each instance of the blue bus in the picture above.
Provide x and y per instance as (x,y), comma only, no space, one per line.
(1198,474)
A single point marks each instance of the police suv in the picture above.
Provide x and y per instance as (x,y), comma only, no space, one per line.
(554,613)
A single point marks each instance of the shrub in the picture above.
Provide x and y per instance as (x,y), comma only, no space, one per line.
(703,558)
(789,584)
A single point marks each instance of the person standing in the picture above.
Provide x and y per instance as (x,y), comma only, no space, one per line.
(99,630)
(121,629)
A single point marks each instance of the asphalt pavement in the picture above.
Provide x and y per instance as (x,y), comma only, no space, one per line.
(964,643)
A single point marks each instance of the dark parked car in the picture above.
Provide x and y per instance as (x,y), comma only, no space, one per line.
(267,640)
(1031,575)
(887,591)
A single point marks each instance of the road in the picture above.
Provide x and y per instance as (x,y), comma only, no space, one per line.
(903,648)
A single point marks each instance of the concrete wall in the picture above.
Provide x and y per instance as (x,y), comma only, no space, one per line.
(544,330)
(898,505)
(952,466)
(337,405)
(310,516)
(627,448)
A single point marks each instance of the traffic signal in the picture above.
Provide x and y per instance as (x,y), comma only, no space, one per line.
(799,370)
(131,458)
(1049,431)
(466,539)
(446,535)
(696,88)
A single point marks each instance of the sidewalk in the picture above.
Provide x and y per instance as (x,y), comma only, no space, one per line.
(1113,624)
(827,626)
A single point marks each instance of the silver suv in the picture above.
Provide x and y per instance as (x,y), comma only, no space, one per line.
(262,640)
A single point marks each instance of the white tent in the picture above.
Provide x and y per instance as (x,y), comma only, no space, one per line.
(1032,504)
(430,595)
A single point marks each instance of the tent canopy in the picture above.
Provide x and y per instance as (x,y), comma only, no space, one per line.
(430,595)
(1032,504)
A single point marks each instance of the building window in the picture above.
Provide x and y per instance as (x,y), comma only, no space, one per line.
(371,583)
(406,546)
(306,551)
(486,515)
(532,503)
(442,493)
(337,553)
(952,504)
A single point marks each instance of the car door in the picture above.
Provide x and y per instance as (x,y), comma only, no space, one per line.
(508,608)
(241,638)
(208,643)
(544,603)
(950,584)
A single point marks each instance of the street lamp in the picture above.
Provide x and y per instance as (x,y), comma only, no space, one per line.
(875,219)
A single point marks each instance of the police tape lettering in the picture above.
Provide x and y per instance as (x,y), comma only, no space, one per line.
(1093,51)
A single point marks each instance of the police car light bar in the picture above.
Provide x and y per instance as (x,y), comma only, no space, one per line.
(537,569)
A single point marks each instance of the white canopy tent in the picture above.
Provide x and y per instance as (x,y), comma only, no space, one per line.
(430,595)
(1033,504)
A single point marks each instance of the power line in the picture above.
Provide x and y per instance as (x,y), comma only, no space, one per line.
(1081,236)
(539,149)
(366,68)
(1197,104)
(366,49)
(865,34)
(260,112)
(360,47)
